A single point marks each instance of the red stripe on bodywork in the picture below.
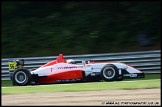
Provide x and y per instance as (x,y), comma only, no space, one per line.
(75,74)
(49,63)
(59,59)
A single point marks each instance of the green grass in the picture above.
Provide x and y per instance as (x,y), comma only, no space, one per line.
(7,83)
(154,83)
(72,87)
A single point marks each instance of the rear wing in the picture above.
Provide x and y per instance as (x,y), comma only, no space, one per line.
(14,64)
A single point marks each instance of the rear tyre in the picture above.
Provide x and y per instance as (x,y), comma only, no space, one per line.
(109,73)
(21,77)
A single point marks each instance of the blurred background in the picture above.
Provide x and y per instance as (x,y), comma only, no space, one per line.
(48,28)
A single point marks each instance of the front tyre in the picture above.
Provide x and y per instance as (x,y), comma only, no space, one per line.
(21,77)
(109,73)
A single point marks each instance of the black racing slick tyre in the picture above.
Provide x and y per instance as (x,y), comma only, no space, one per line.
(109,73)
(21,77)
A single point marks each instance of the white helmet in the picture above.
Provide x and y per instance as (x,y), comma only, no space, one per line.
(70,61)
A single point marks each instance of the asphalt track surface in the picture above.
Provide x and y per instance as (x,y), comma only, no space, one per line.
(133,97)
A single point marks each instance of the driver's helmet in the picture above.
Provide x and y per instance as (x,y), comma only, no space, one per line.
(70,61)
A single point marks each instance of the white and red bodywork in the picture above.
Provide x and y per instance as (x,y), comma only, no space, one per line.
(59,69)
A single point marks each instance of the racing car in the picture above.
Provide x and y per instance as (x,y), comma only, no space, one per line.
(61,70)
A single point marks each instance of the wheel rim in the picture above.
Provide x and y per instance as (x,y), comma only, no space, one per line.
(109,72)
(20,77)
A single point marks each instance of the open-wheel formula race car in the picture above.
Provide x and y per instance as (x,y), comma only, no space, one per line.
(62,71)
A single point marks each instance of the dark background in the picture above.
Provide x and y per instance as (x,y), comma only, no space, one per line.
(48,28)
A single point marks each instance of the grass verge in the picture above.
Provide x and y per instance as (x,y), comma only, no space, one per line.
(91,86)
